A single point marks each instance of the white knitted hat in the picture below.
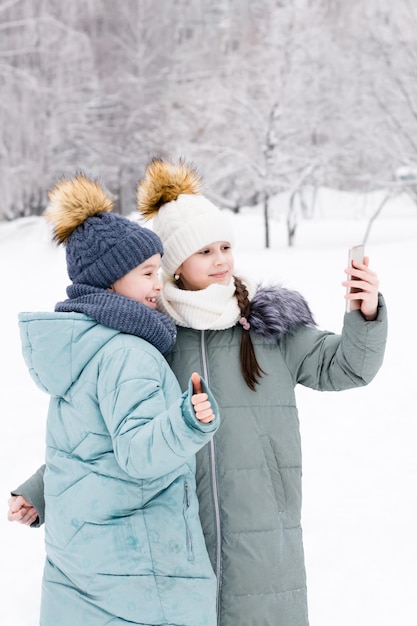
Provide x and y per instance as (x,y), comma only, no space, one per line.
(184,219)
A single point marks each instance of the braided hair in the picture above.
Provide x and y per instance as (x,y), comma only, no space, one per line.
(251,370)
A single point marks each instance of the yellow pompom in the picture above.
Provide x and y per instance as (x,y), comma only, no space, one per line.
(164,181)
(72,201)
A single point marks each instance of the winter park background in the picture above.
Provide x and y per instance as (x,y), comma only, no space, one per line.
(360,462)
(270,99)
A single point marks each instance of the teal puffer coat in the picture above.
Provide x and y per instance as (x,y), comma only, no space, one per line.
(123,538)
(249,475)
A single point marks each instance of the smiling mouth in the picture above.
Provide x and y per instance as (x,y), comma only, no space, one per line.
(219,274)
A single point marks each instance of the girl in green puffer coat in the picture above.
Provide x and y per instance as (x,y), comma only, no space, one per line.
(253,345)
(122,534)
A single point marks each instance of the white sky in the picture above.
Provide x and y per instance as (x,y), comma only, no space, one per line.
(359,446)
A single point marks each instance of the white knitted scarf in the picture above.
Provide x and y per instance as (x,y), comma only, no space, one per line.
(213,308)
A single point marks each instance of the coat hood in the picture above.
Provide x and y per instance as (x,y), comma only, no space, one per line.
(276,312)
(47,346)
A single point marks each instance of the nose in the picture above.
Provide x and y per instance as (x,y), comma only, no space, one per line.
(219,260)
(157,285)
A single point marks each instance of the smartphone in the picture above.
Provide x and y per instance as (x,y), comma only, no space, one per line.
(356,253)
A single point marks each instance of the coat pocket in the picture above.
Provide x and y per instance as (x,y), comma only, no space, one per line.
(274,473)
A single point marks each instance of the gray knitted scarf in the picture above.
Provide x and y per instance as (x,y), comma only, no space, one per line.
(121,313)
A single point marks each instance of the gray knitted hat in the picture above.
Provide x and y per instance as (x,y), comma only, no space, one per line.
(100,246)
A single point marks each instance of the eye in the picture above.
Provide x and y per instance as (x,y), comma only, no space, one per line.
(206,251)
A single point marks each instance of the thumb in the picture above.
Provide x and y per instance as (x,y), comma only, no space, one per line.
(196,380)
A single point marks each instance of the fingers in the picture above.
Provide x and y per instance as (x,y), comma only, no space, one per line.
(27,516)
(357,269)
(202,407)
(196,380)
(206,416)
(363,286)
(20,510)
(17,503)
(200,401)
(360,276)
(201,404)
(198,398)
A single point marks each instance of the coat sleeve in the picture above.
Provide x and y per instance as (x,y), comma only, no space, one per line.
(32,490)
(329,362)
(150,439)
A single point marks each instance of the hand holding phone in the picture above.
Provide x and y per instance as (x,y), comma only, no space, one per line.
(356,253)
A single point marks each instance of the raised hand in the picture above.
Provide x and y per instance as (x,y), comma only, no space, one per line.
(366,285)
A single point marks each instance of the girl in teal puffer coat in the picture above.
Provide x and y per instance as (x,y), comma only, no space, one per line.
(123,538)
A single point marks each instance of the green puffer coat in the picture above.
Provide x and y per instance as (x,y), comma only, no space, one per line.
(249,475)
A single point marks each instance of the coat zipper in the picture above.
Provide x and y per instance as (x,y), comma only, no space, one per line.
(214,484)
(187,528)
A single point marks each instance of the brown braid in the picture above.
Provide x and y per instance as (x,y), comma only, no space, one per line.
(250,367)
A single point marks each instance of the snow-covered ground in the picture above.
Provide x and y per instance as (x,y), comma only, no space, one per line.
(359,446)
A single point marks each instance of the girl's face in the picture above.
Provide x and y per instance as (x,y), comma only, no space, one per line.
(210,265)
(142,283)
